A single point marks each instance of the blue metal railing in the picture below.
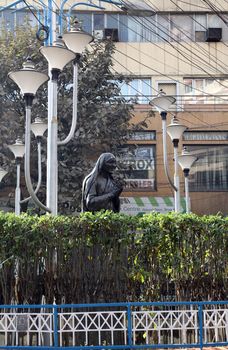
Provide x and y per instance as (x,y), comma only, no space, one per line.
(172,324)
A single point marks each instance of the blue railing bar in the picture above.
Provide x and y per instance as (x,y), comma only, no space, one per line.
(156,303)
(99,347)
(215,344)
(30,306)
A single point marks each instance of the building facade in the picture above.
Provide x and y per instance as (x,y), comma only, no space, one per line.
(180,47)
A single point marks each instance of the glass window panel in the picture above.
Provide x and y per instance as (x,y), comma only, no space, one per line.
(98,21)
(123,26)
(134,87)
(163,28)
(140,88)
(214,21)
(200,23)
(181,28)
(112,21)
(188,86)
(143,135)
(86,21)
(134,29)
(210,171)
(149,29)
(124,90)
(200,36)
(205,136)
(8,19)
(199,86)
(224,29)
(168,88)
(20,17)
(138,164)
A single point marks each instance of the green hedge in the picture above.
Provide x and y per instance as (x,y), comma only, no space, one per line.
(106,257)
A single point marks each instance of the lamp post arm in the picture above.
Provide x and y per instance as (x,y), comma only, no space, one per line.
(75,107)
(39,174)
(10,5)
(165,154)
(27,160)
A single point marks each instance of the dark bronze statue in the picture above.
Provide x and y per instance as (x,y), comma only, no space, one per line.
(99,189)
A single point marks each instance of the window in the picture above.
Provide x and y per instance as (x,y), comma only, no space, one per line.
(86,21)
(143,135)
(205,136)
(169,88)
(181,28)
(138,165)
(200,27)
(208,91)
(137,88)
(98,21)
(163,25)
(210,171)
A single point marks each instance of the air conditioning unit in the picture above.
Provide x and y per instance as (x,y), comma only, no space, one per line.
(98,34)
(111,33)
(213,34)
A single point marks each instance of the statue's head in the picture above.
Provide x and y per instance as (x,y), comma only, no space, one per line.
(107,162)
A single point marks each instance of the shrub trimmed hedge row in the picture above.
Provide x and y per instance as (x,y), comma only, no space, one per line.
(106,257)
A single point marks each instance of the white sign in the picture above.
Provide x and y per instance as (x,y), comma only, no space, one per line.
(137,205)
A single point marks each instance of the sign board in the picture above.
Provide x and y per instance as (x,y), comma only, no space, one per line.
(145,205)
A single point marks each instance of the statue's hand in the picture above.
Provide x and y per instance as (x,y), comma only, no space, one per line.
(117,190)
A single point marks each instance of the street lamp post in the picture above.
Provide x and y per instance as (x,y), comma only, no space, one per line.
(162,103)
(186,160)
(175,131)
(18,149)
(58,56)
(29,80)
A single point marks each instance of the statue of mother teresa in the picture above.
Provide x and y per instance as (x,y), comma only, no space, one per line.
(99,189)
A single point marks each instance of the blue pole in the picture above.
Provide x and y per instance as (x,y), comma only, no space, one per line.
(49,16)
(56,341)
(129,324)
(200,316)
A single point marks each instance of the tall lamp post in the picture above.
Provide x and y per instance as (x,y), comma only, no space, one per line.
(58,56)
(29,80)
(18,149)
(175,131)
(186,161)
(162,103)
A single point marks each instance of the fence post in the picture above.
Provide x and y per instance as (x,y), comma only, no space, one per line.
(129,324)
(200,311)
(56,341)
